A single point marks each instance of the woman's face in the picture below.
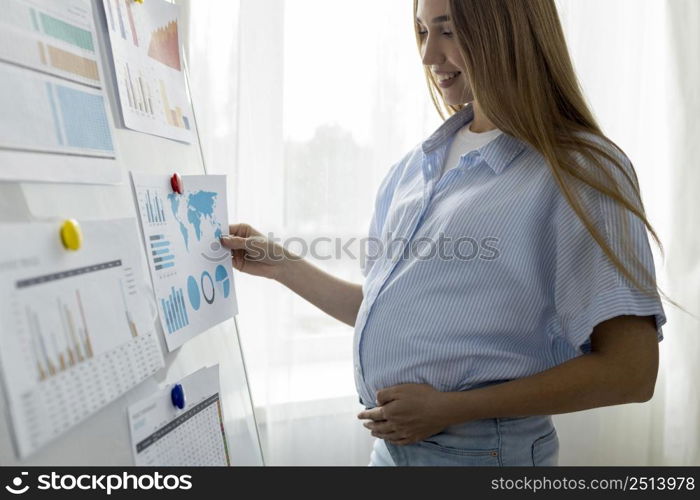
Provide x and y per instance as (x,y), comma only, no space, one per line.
(440,53)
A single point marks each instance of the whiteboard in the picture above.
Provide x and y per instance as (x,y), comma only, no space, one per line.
(104,439)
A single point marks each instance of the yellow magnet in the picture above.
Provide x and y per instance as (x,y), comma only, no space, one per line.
(71,235)
(138,1)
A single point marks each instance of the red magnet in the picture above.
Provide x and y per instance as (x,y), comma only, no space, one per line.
(176,183)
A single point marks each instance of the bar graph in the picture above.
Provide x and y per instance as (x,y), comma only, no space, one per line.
(65,32)
(51,96)
(132,25)
(122,27)
(161,254)
(174,115)
(84,118)
(138,91)
(128,287)
(190,271)
(174,310)
(60,42)
(145,41)
(76,331)
(59,335)
(115,9)
(68,62)
(109,12)
(46,114)
(153,206)
(57,350)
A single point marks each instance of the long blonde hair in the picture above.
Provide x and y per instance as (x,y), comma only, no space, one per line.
(522,76)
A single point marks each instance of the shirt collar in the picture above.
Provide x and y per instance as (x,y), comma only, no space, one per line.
(497,154)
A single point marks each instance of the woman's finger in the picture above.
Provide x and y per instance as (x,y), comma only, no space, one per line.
(233,242)
(400,441)
(243,230)
(376,414)
(383,427)
(237,262)
(238,229)
(389,436)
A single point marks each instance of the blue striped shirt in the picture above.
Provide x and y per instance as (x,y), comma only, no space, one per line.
(485,274)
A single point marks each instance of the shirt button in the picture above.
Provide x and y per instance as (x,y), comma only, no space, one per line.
(472,158)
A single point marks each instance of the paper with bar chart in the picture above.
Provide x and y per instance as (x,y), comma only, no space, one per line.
(165,436)
(51,94)
(145,42)
(190,270)
(76,329)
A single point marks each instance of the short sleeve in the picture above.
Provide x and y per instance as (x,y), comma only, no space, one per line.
(588,288)
(384,197)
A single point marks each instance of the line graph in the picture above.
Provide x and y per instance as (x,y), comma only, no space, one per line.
(165,46)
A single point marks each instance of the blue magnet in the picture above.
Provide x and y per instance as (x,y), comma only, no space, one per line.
(177,395)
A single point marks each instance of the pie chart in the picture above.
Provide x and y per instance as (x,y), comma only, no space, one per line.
(193,293)
(222,280)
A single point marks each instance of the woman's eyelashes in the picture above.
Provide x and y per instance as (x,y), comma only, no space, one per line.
(422,32)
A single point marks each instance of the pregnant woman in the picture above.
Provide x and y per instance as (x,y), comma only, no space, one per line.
(523,285)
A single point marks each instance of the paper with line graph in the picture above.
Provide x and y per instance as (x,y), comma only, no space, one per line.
(145,39)
(190,269)
(76,329)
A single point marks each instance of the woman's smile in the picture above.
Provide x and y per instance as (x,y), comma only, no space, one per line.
(446,79)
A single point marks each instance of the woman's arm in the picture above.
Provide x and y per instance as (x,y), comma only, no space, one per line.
(621,368)
(254,254)
(341,299)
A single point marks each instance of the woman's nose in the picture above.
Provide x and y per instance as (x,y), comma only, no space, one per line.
(432,55)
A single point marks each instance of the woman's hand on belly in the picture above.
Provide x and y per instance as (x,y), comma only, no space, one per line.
(407,413)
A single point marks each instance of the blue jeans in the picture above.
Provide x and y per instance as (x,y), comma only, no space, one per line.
(519,441)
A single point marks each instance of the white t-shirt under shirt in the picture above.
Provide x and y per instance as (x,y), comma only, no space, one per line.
(465,141)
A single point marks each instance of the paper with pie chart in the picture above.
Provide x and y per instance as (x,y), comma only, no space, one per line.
(191,271)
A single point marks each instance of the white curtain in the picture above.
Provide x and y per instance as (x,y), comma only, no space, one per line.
(305,104)
(639,63)
(678,412)
(323,98)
